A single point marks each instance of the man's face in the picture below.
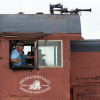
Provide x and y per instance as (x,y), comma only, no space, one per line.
(21,46)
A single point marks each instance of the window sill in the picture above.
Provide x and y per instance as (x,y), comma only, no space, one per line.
(50,66)
(25,67)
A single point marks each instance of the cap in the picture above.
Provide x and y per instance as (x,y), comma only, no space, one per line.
(20,42)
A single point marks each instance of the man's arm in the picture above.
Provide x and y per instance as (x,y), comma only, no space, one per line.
(15,61)
(30,57)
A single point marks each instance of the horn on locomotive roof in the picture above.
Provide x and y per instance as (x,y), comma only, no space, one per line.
(59,7)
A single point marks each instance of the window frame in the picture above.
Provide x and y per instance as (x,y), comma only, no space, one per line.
(26,67)
(61,54)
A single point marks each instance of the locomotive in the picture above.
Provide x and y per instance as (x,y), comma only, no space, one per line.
(65,66)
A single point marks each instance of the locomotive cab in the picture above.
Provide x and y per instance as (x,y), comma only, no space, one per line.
(47,37)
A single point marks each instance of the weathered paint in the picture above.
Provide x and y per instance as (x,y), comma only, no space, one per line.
(86,91)
(46,23)
(85,72)
(59,77)
(85,67)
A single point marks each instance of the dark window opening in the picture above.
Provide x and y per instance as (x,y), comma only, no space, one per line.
(25,57)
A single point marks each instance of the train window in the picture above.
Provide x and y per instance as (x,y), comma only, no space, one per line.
(49,54)
(27,49)
(25,56)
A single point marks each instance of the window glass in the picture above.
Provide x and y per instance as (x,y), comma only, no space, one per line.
(49,53)
(27,49)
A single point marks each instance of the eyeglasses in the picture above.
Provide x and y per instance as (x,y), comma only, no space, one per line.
(21,45)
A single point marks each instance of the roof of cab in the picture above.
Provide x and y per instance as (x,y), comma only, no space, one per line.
(46,23)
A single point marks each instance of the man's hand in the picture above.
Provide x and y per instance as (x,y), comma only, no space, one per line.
(18,60)
(15,61)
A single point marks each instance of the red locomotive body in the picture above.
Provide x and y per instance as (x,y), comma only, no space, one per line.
(54,81)
(61,69)
(85,74)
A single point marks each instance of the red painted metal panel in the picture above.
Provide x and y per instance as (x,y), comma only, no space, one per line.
(87,97)
(85,75)
(87,91)
(0,63)
(54,82)
(85,67)
(0,50)
(5,48)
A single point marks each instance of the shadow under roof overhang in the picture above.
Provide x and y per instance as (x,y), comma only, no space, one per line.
(36,35)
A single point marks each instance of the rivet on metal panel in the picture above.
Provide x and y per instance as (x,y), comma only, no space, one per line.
(1,58)
(5,67)
(30,70)
(58,18)
(13,95)
(49,16)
